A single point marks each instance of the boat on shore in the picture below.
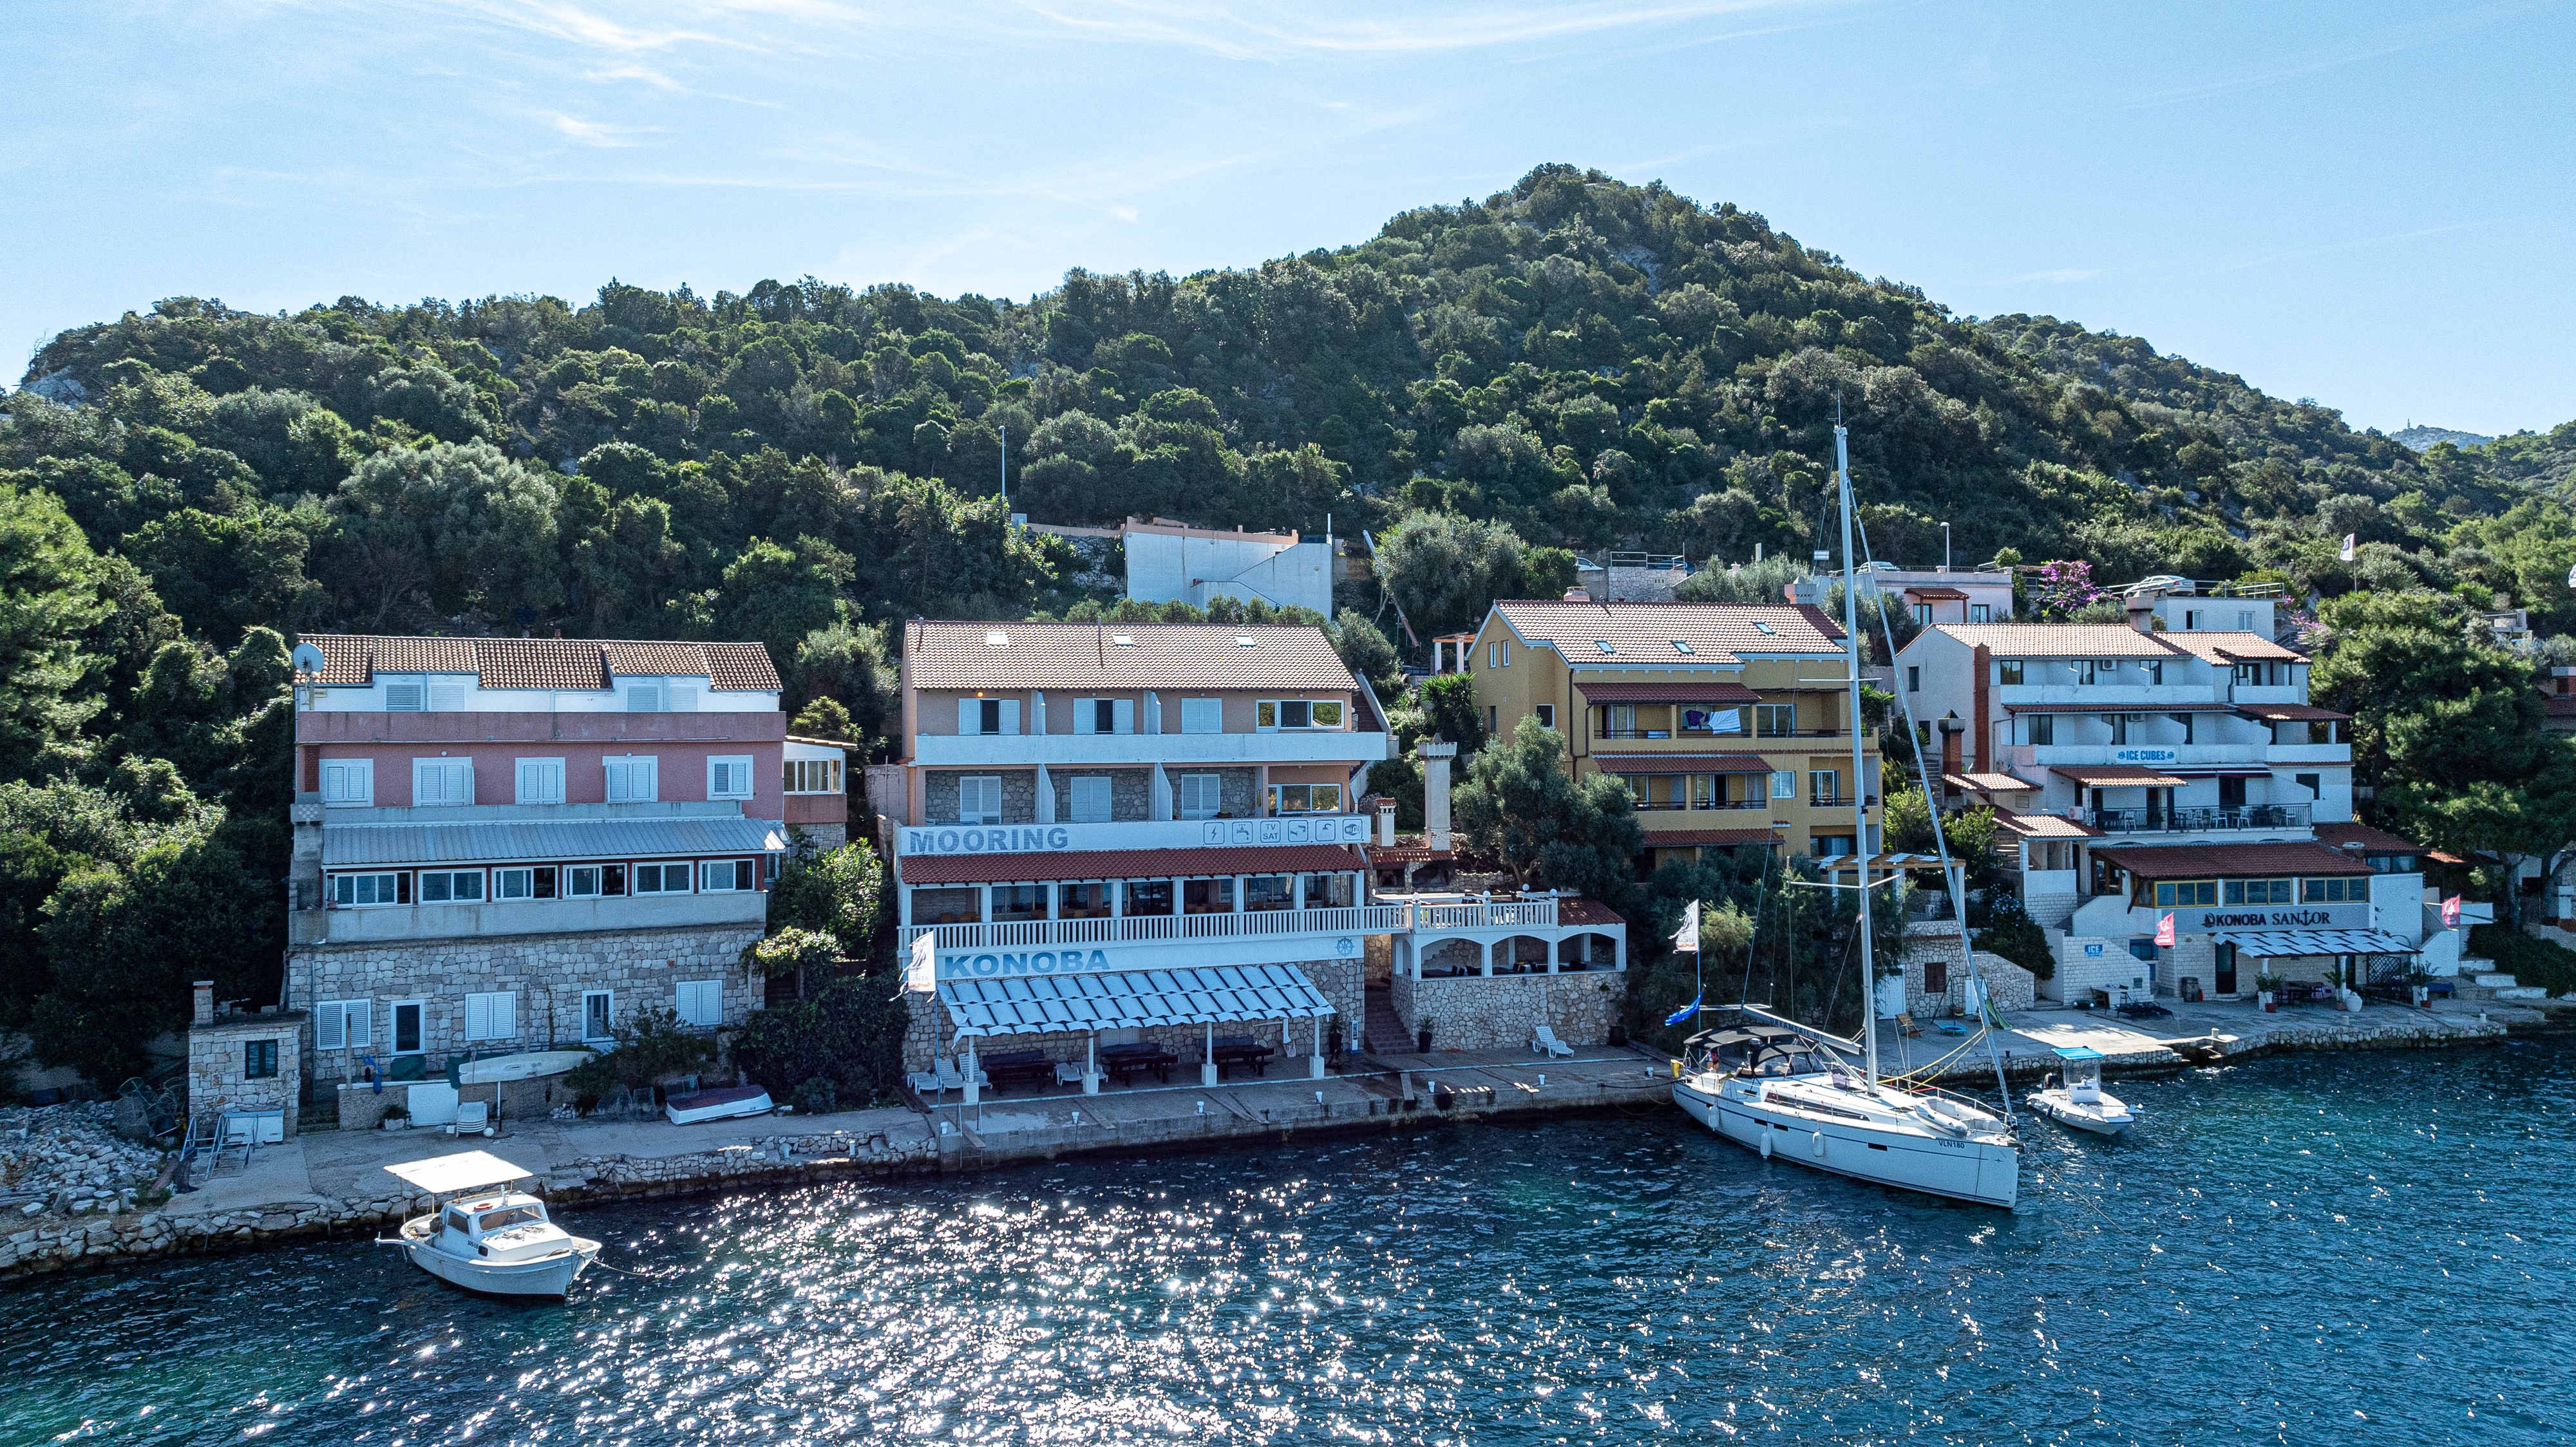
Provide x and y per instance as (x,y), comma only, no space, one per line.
(723,1102)
(2075,1096)
(487,1238)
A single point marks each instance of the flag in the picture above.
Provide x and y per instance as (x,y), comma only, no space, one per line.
(2347,546)
(1687,937)
(923,973)
(2571,577)
(2165,931)
(1686,1011)
(2451,912)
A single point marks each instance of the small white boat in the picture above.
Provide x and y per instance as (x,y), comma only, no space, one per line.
(526,1065)
(488,1239)
(2076,1098)
(724,1102)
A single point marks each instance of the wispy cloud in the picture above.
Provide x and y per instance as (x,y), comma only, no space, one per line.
(2282,70)
(2063,273)
(1245,32)
(2359,243)
(595,133)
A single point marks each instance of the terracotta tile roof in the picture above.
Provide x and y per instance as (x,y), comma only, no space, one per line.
(1988,783)
(1586,911)
(2117,776)
(2198,861)
(353,660)
(2057,640)
(2287,712)
(2230,646)
(1711,690)
(1646,632)
(1033,868)
(1077,656)
(1745,763)
(1399,855)
(2366,839)
(2046,826)
(1694,838)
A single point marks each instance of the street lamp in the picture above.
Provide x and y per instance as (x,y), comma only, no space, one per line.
(1945,547)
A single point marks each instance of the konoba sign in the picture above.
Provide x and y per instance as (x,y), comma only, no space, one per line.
(2244,917)
(1140,834)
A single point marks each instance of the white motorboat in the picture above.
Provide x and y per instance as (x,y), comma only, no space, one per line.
(488,1239)
(2075,1096)
(1781,1088)
(723,1102)
(526,1065)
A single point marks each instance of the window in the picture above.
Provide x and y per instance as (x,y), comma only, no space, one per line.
(2119,726)
(1775,720)
(352,890)
(492,1016)
(403,697)
(1784,784)
(1016,902)
(1149,896)
(1761,627)
(979,800)
(701,1003)
(343,1025)
(2008,670)
(2390,863)
(729,777)
(594,881)
(1923,614)
(1268,892)
(1833,846)
(1824,786)
(634,779)
(408,1035)
(2186,721)
(680,698)
(446,697)
(644,696)
(541,781)
(2185,893)
(1546,715)
(1923,731)
(814,776)
(1913,678)
(440,782)
(990,717)
(1493,724)
(1704,792)
(1202,716)
(948,906)
(2043,728)
(725,876)
(2315,784)
(451,886)
(259,1060)
(1088,899)
(2086,671)
(1981,612)
(2334,891)
(1104,715)
(1684,649)
(598,1014)
(2155,671)
(349,782)
(1305,798)
(1619,721)
(1090,797)
(1199,796)
(1207,896)
(530,882)
(2190,619)
(661,879)
(1604,645)
(1297,713)
(2258,891)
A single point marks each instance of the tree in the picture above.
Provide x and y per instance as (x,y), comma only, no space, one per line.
(1520,807)
(48,598)
(1365,651)
(852,668)
(1446,571)
(836,893)
(1449,711)
(779,597)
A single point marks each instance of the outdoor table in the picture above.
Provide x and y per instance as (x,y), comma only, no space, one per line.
(1017,1066)
(1123,1063)
(1232,1050)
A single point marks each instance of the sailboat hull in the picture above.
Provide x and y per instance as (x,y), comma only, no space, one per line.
(1983,1172)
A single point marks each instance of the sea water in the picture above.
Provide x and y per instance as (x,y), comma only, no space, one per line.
(2356,1248)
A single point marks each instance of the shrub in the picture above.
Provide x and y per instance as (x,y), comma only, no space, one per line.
(2017,937)
(652,1047)
(2530,961)
(849,1035)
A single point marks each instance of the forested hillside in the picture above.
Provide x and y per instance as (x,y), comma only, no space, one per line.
(1573,363)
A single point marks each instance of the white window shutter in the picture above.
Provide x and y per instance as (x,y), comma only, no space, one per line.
(1123,713)
(360,1025)
(683,698)
(478,1015)
(1086,713)
(1010,716)
(970,715)
(649,782)
(505,1015)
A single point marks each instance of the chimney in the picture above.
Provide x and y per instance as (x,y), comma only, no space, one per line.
(1577,595)
(1951,729)
(1435,790)
(205,1004)
(2142,614)
(1980,707)
(1386,823)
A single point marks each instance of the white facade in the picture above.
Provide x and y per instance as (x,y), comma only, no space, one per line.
(1168,564)
(464,693)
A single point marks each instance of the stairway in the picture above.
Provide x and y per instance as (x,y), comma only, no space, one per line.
(1386,1033)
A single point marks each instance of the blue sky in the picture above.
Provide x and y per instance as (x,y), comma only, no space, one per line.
(2367,204)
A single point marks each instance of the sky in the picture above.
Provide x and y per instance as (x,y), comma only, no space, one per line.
(2365,204)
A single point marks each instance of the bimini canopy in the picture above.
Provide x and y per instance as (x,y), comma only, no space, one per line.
(463,1171)
(2078,1052)
(2287,943)
(1048,1004)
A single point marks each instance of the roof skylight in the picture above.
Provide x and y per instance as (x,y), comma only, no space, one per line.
(1246,640)
(1681,647)
(1761,627)
(1122,640)
(996,638)
(1604,645)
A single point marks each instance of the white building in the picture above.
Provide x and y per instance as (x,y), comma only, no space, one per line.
(1169,562)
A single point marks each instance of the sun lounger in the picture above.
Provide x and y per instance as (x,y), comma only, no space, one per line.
(1544,1041)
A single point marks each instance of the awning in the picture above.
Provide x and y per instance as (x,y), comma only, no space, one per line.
(1702,838)
(1056,1004)
(1037,868)
(2046,826)
(2277,944)
(463,1171)
(1988,783)
(2137,708)
(2289,712)
(1937,595)
(2117,776)
(362,846)
(1714,690)
(1682,763)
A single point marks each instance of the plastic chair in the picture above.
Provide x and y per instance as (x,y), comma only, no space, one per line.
(472,1118)
(1545,1040)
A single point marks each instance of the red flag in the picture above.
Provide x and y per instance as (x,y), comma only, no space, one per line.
(2165,931)
(2451,912)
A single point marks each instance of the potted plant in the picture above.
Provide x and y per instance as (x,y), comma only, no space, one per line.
(1422,1036)
(397,1116)
(2268,986)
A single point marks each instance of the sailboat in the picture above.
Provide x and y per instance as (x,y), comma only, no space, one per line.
(1794,1092)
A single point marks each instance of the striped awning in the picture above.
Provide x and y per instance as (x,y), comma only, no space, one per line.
(2283,944)
(1054,1004)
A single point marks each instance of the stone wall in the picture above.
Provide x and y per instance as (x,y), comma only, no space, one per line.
(1131,792)
(1019,794)
(547,974)
(933,1033)
(218,1061)
(1502,1013)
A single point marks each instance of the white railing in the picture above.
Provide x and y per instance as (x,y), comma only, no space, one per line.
(1520,914)
(1371,919)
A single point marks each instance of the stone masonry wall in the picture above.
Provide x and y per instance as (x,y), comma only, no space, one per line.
(1502,1013)
(217,1062)
(1131,791)
(932,1033)
(547,974)
(1019,794)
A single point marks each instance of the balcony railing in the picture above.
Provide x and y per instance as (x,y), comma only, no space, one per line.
(1374,919)
(2198,821)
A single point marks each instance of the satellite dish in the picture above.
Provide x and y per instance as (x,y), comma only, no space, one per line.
(308,659)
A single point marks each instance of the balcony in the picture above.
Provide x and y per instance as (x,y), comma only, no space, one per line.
(2255,755)
(936,751)
(2198,821)
(953,838)
(398,924)
(1140,929)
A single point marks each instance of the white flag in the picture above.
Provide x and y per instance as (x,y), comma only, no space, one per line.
(2347,546)
(1687,937)
(922,973)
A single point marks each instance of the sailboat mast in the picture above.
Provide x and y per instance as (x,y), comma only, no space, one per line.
(1862,849)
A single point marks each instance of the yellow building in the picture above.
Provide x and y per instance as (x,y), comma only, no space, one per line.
(1729,721)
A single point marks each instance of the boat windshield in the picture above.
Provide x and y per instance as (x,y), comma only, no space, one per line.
(456,1221)
(512,1216)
